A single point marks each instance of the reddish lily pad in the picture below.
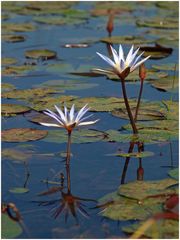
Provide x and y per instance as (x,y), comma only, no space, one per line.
(40,53)
(22,134)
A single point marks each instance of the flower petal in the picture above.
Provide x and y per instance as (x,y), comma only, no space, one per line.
(50,124)
(108,60)
(121,53)
(61,113)
(82,111)
(133,56)
(139,63)
(71,113)
(115,55)
(88,123)
(53,115)
(82,119)
(129,56)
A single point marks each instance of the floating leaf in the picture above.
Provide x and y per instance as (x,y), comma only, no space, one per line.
(60,68)
(17,27)
(156,52)
(60,20)
(67,85)
(7,87)
(8,61)
(79,136)
(174,173)
(9,228)
(168,42)
(133,155)
(125,40)
(167,23)
(165,229)
(15,154)
(17,70)
(171,7)
(166,84)
(40,53)
(165,66)
(12,38)
(22,134)
(30,94)
(8,109)
(19,190)
(143,189)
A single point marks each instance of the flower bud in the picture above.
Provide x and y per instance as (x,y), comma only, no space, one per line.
(142,71)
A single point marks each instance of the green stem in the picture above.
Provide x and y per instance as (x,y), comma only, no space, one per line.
(139,100)
(68,148)
(135,131)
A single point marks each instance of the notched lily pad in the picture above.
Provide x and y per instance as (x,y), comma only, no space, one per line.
(40,53)
(125,40)
(143,189)
(19,190)
(9,109)
(12,38)
(22,134)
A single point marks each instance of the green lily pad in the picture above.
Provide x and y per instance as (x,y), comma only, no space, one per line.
(40,53)
(174,173)
(68,84)
(143,189)
(29,94)
(22,134)
(163,229)
(7,87)
(60,68)
(19,190)
(12,38)
(17,27)
(16,155)
(168,42)
(165,66)
(163,4)
(8,109)
(79,136)
(169,84)
(125,40)
(17,70)
(9,228)
(164,23)
(8,61)
(134,154)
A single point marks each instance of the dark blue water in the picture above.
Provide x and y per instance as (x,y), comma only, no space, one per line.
(93,173)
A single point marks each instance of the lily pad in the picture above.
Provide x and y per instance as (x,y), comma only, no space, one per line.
(166,23)
(17,70)
(17,27)
(12,38)
(79,136)
(165,229)
(8,61)
(29,94)
(22,134)
(67,85)
(174,173)
(168,42)
(133,155)
(19,190)
(9,228)
(166,66)
(60,68)
(169,84)
(7,87)
(40,53)
(163,4)
(8,109)
(143,189)
(156,52)
(125,40)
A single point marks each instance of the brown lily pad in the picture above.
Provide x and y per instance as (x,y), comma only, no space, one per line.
(156,52)
(22,134)
(9,109)
(12,38)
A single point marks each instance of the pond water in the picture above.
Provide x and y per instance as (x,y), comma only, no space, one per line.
(94,171)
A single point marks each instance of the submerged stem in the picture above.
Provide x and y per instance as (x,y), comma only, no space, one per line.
(135,131)
(139,100)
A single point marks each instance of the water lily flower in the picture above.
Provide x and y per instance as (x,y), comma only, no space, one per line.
(68,120)
(121,64)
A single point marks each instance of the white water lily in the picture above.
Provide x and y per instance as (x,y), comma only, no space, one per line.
(68,120)
(120,63)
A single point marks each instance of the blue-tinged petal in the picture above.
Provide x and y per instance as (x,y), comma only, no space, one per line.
(50,124)
(129,56)
(82,119)
(60,113)
(71,113)
(138,57)
(121,53)
(133,57)
(81,112)
(88,123)
(108,60)
(53,116)
(139,63)
(115,55)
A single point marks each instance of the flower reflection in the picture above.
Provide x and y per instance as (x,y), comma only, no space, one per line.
(67,203)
